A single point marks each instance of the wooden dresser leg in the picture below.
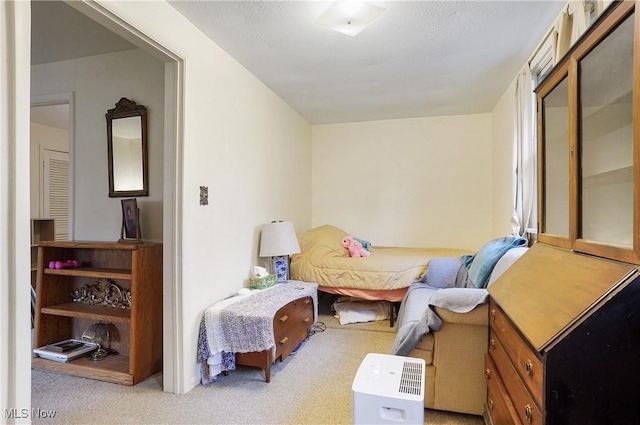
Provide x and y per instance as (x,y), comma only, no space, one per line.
(267,369)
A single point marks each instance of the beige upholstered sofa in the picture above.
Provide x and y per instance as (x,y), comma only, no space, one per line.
(455,354)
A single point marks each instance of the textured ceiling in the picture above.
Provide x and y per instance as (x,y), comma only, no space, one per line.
(419,58)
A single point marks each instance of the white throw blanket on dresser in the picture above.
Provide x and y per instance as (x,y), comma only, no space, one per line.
(244,324)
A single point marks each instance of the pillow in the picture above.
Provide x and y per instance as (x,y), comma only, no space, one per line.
(325,240)
(482,262)
(442,272)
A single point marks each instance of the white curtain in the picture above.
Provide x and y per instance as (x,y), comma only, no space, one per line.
(564,28)
(573,22)
(524,158)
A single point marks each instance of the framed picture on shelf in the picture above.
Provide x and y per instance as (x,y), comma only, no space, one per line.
(130,220)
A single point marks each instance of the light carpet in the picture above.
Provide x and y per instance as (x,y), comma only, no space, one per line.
(312,386)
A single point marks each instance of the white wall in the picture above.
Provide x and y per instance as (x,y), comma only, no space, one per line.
(409,182)
(248,146)
(98,83)
(43,137)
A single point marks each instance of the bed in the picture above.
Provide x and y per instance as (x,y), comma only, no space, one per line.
(384,275)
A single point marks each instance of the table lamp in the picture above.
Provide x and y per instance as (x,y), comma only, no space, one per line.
(278,241)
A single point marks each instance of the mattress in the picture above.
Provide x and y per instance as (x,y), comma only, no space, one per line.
(325,261)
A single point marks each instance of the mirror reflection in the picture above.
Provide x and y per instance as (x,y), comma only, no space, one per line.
(126,137)
(127,154)
(555,109)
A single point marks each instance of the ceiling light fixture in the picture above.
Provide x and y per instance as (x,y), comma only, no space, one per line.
(349,16)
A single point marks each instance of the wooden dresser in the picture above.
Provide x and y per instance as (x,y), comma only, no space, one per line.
(290,327)
(564,345)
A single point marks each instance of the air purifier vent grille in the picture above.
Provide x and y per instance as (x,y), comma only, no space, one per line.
(411,379)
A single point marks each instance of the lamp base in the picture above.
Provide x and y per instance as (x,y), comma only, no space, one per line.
(280,267)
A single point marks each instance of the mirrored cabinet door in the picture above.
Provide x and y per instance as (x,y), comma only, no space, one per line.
(589,141)
(606,129)
(555,109)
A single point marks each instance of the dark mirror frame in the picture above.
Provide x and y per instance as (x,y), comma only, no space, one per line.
(126,108)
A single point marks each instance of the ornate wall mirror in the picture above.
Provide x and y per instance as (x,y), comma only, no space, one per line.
(127,146)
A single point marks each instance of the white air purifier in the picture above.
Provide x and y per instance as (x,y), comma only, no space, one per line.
(389,390)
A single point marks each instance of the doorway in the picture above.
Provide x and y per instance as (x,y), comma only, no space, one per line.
(171,192)
(51,144)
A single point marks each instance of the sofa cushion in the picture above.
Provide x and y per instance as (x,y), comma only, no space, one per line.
(476,317)
(442,272)
(426,347)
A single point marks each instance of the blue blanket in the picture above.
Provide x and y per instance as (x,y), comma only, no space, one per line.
(481,264)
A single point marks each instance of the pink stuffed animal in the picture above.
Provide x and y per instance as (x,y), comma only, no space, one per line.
(355,248)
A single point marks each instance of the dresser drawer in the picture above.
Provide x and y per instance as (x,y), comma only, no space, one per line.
(284,319)
(499,405)
(291,326)
(524,404)
(303,304)
(524,359)
(296,314)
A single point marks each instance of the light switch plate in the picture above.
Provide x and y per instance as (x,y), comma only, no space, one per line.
(204,195)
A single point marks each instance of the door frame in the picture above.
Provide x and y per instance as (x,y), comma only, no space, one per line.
(172,341)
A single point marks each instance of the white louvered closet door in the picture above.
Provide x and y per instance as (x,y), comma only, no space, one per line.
(56,190)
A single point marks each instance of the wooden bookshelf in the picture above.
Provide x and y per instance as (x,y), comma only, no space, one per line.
(42,229)
(136,330)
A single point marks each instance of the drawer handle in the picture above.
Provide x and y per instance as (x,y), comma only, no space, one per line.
(487,373)
(528,413)
(492,344)
(307,320)
(284,340)
(284,318)
(490,404)
(492,314)
(528,366)
(307,300)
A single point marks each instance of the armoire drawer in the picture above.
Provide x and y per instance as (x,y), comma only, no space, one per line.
(524,404)
(499,405)
(525,361)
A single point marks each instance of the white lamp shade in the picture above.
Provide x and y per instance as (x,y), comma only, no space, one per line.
(278,238)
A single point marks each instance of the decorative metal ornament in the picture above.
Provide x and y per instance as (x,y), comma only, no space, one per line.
(103,292)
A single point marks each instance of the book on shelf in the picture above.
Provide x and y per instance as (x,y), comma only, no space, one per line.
(66,350)
(64,346)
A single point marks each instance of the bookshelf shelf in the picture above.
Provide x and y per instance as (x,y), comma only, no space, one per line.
(87,311)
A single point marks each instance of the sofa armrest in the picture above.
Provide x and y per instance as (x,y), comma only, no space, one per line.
(458,303)
(478,316)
